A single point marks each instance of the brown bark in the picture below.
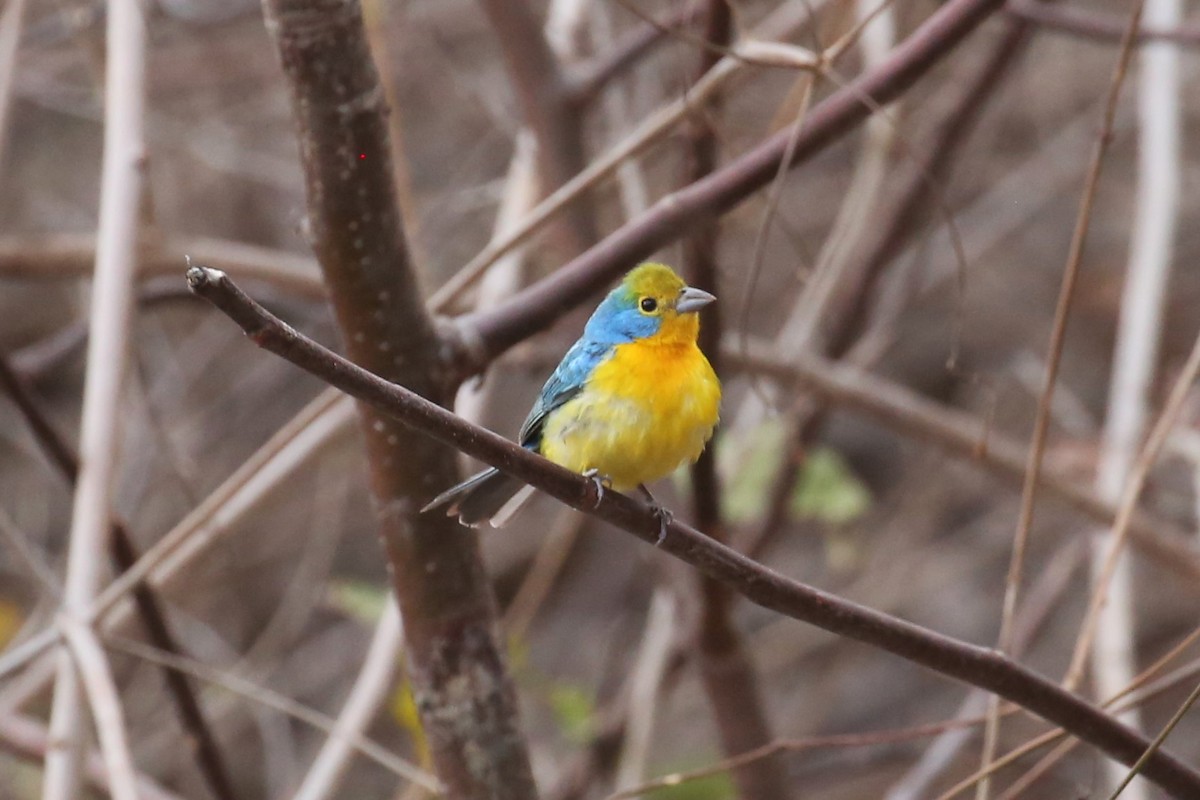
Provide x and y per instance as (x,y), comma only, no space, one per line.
(463,692)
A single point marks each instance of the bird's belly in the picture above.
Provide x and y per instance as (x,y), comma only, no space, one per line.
(632,429)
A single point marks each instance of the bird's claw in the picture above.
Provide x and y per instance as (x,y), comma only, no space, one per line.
(601,483)
(665,518)
(662,512)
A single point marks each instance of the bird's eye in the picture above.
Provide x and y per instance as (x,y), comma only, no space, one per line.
(648,304)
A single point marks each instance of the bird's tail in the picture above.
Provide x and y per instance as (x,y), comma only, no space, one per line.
(491,495)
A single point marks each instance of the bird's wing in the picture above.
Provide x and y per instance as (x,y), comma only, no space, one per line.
(567,380)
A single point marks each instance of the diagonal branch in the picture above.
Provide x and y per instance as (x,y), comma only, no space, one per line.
(958,433)
(978,666)
(684,210)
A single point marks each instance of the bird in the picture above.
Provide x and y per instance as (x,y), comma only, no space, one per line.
(630,401)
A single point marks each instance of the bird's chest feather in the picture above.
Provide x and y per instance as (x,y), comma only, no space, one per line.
(643,411)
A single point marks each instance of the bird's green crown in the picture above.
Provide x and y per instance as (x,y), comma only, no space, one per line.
(651,301)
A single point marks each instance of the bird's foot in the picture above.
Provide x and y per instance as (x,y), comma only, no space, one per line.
(662,512)
(601,482)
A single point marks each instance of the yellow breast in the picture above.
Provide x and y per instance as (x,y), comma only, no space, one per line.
(648,408)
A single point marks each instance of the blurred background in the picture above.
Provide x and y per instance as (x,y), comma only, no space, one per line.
(289,593)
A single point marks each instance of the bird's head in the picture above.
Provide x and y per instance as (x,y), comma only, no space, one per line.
(651,302)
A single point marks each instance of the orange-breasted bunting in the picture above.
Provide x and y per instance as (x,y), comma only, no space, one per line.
(630,401)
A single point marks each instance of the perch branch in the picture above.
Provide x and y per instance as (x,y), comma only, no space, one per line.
(971,664)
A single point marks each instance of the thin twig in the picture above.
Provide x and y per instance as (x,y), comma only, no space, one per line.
(645,681)
(589,78)
(542,304)
(976,665)
(106,707)
(1176,718)
(1012,584)
(28,739)
(265,696)
(1098,25)
(108,352)
(71,255)
(370,690)
(124,555)
(1139,331)
(874,739)
(33,561)
(1120,529)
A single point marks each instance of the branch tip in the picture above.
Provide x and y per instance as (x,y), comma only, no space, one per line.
(200,277)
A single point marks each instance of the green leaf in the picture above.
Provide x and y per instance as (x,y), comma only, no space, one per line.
(749,465)
(358,599)
(574,710)
(828,491)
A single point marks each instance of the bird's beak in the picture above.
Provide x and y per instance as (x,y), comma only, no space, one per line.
(692,299)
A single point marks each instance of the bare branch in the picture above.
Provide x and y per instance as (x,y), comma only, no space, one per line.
(589,78)
(465,697)
(1097,25)
(28,739)
(1139,332)
(1054,348)
(546,105)
(108,351)
(106,707)
(975,665)
(370,690)
(124,555)
(960,434)
(70,255)
(538,306)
